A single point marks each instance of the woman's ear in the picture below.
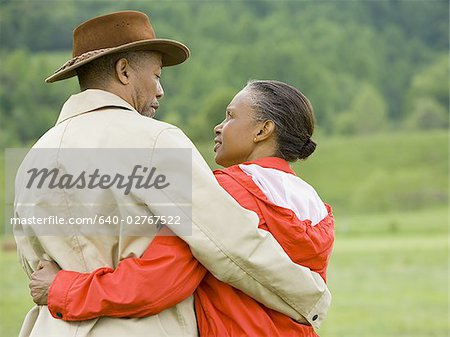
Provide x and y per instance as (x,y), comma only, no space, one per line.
(123,71)
(266,130)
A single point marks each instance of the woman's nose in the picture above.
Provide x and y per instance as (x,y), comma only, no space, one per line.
(218,128)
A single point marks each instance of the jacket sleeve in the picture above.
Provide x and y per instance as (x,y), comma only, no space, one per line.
(224,237)
(165,275)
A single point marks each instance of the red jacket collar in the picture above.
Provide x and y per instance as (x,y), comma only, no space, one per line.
(272,162)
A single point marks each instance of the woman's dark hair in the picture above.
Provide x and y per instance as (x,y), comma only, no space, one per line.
(291,113)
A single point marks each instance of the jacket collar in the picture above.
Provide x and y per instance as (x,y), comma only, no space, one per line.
(272,162)
(90,100)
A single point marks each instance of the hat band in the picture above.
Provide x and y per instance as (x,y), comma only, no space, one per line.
(81,58)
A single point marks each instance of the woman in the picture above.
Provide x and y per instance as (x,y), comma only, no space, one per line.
(267,125)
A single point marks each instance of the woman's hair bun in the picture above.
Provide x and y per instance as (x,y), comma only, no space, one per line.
(292,114)
(307,149)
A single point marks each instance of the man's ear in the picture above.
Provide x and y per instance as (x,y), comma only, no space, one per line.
(266,130)
(122,69)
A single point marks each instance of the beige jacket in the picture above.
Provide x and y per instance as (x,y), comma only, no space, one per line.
(224,237)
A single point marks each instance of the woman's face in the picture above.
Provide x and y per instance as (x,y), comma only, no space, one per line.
(234,136)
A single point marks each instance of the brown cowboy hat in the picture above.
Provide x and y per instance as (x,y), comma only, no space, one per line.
(117,32)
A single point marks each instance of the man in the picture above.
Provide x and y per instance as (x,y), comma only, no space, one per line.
(118,61)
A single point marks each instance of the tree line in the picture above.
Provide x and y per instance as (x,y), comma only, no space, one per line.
(369,66)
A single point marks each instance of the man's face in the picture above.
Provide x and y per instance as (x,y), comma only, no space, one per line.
(147,89)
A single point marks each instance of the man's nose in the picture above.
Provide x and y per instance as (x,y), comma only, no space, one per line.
(159,91)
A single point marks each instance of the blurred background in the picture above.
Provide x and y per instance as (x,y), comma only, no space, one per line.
(377,74)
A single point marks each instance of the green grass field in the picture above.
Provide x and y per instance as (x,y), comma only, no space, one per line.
(390,283)
(389,273)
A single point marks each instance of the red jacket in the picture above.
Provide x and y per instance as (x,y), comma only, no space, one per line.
(167,273)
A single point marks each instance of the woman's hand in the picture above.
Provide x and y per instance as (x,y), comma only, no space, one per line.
(41,280)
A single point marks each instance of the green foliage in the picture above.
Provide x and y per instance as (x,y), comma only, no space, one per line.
(432,81)
(344,55)
(368,113)
(211,114)
(427,114)
(29,106)
(428,97)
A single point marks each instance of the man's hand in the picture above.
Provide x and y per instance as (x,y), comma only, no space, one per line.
(41,280)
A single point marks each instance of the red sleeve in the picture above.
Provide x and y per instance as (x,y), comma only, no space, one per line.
(165,275)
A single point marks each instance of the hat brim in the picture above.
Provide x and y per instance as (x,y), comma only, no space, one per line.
(173,53)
